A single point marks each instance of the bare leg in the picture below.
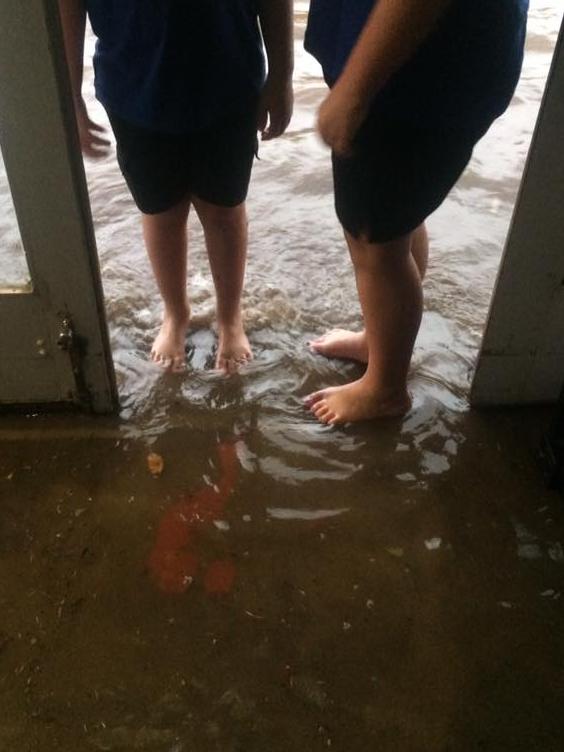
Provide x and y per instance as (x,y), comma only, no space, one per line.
(225,229)
(166,240)
(420,249)
(390,292)
(341,343)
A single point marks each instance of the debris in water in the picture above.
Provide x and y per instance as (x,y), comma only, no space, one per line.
(254,616)
(397,552)
(433,544)
(406,477)
(155,463)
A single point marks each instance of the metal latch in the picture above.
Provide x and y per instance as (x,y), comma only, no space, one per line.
(69,342)
(65,338)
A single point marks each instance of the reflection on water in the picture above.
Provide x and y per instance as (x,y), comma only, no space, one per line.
(14,272)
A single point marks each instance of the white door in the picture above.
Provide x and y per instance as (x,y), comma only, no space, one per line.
(522,356)
(53,338)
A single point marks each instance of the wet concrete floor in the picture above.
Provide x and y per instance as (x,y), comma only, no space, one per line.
(205,606)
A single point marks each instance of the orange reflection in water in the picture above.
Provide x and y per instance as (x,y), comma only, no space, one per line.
(174,562)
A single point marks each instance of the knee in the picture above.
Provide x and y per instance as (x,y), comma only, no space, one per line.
(380,257)
(223,218)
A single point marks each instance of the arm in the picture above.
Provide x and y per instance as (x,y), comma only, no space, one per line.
(276,20)
(73,21)
(392,35)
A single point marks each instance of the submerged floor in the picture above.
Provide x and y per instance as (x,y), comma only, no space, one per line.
(213,607)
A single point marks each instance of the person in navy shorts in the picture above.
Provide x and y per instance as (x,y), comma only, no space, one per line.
(185,87)
(414,85)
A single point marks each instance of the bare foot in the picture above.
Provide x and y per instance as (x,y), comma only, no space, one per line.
(356,401)
(340,343)
(169,348)
(233,349)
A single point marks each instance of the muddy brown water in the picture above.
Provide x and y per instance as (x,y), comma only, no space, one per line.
(390,587)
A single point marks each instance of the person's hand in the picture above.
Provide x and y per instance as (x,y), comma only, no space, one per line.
(339,119)
(275,107)
(93,140)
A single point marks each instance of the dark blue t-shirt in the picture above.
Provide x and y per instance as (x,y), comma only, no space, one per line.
(176,65)
(463,75)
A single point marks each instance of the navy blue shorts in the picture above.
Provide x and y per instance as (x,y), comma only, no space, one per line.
(162,169)
(398,174)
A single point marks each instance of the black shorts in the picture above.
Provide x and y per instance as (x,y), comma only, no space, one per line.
(397,176)
(162,169)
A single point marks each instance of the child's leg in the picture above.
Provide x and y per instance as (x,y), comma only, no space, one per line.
(342,343)
(166,240)
(390,292)
(420,249)
(225,229)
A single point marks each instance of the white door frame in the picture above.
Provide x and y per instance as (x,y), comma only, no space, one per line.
(54,346)
(522,355)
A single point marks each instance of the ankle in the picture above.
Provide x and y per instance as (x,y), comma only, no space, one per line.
(177,315)
(231,324)
(385,392)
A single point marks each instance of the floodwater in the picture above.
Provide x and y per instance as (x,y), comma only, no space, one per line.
(261,582)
